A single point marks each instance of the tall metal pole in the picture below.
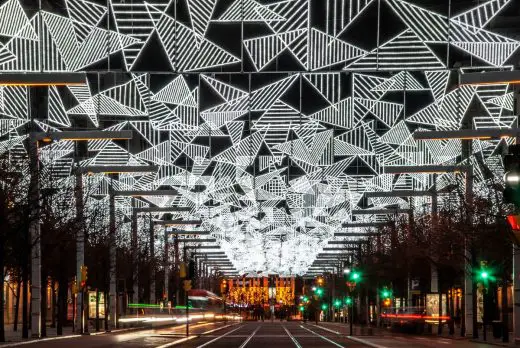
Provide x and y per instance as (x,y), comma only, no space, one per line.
(186,292)
(112,296)
(80,251)
(166,266)
(34,233)
(516,294)
(176,268)
(135,265)
(152,261)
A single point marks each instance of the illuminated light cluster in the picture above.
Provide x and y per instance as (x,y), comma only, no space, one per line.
(270,217)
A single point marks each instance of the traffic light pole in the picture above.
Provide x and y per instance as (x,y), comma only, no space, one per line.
(186,292)
(134,248)
(112,296)
(152,261)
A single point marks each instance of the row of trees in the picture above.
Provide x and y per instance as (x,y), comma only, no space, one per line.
(466,230)
(59,229)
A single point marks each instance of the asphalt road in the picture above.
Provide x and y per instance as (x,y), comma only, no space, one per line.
(253,335)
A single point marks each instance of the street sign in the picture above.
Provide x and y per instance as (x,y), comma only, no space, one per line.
(187,285)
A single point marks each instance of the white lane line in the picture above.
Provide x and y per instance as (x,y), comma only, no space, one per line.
(322,337)
(326,329)
(182,340)
(249,338)
(219,337)
(174,343)
(292,337)
(355,339)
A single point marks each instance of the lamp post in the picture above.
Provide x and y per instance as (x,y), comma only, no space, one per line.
(112,170)
(47,137)
(151,210)
(37,79)
(134,239)
(469,285)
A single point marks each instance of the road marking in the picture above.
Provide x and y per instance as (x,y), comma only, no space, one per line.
(292,337)
(174,343)
(329,330)
(249,338)
(323,337)
(219,337)
(355,339)
(171,344)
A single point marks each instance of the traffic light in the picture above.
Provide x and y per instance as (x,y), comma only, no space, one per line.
(324,307)
(387,302)
(386,293)
(512,175)
(348,301)
(355,276)
(319,291)
(83,280)
(187,285)
(337,303)
(485,274)
(302,308)
(182,270)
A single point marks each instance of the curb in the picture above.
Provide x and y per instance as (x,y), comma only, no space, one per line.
(498,344)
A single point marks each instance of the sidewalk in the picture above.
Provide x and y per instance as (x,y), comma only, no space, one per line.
(494,341)
(14,338)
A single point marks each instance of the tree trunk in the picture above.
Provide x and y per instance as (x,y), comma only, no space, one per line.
(25,297)
(53,303)
(43,292)
(62,304)
(17,305)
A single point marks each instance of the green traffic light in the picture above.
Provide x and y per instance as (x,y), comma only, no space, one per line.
(348,301)
(337,303)
(319,291)
(302,308)
(323,307)
(305,299)
(485,275)
(355,276)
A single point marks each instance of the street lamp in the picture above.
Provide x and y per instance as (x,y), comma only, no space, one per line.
(35,138)
(115,169)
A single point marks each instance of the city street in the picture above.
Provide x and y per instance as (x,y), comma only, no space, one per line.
(254,334)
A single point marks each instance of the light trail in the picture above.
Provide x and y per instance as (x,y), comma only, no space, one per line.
(171,344)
